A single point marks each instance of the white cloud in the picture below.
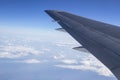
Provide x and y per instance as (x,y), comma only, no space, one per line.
(69,61)
(68,43)
(11,55)
(88,63)
(62,58)
(31,61)
(59,56)
(61,45)
(45,49)
(17,51)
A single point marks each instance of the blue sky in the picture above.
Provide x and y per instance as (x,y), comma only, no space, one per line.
(29,15)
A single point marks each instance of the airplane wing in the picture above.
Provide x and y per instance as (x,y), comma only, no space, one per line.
(100,39)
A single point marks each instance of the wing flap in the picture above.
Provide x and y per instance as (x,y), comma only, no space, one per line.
(81,49)
(61,30)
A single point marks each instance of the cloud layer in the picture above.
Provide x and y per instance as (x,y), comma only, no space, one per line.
(17,51)
(31,61)
(88,63)
(84,62)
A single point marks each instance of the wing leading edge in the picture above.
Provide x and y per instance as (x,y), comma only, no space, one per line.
(100,39)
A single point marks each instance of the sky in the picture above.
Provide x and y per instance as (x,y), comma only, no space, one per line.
(31,48)
(29,15)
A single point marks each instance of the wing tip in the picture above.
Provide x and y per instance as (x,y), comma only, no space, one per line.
(47,11)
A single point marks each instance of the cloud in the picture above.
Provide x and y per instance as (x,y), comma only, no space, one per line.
(30,61)
(17,51)
(11,55)
(62,58)
(68,43)
(88,63)
(45,49)
(59,56)
(69,61)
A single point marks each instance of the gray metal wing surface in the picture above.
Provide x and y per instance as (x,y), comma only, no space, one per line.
(100,39)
